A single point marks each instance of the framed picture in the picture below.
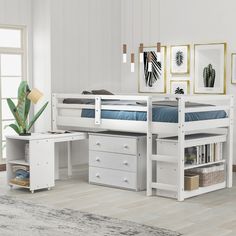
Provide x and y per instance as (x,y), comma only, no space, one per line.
(153,81)
(233,68)
(180,59)
(179,87)
(209,68)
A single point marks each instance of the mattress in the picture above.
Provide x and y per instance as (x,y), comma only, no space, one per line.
(165,111)
(159,114)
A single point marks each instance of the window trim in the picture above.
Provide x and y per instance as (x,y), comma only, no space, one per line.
(23,50)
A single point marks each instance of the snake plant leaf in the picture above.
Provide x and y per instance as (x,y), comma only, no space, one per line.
(15,113)
(21,105)
(15,127)
(36,116)
(27,105)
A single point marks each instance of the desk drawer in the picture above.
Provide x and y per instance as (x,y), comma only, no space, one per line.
(115,178)
(113,161)
(113,144)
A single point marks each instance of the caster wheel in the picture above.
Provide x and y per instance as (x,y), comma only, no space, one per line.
(32,191)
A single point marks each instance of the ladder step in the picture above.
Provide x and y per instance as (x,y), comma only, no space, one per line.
(164,158)
(168,187)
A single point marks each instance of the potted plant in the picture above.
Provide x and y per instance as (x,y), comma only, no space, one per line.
(21,110)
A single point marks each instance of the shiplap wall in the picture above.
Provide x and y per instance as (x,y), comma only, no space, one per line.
(41,22)
(85,41)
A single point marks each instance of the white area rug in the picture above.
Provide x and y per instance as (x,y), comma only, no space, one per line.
(21,218)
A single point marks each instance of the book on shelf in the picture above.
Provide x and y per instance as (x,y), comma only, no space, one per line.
(203,154)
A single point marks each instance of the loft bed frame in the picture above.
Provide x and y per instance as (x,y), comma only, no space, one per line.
(69,116)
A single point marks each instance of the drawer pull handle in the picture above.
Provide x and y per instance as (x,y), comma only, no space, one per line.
(98,144)
(125,180)
(97,175)
(97,159)
(126,146)
(125,163)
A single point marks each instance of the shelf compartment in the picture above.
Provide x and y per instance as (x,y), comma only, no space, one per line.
(202,190)
(19,162)
(193,140)
(18,185)
(188,167)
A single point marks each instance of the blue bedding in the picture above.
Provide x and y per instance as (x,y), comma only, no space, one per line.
(159,114)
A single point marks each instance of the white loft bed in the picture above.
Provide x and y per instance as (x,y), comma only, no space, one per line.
(69,116)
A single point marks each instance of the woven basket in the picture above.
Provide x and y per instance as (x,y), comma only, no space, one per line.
(208,179)
(210,175)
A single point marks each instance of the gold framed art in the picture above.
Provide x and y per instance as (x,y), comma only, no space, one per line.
(233,68)
(155,81)
(180,59)
(210,68)
(180,87)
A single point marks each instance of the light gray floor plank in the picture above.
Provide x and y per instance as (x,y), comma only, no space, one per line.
(212,214)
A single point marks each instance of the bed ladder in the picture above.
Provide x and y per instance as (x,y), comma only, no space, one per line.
(155,162)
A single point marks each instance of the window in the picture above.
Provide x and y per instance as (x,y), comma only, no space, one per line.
(12,71)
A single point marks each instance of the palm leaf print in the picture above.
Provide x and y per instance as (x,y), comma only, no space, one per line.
(151,77)
(179,58)
(179,90)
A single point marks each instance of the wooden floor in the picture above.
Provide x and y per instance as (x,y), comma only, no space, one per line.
(207,215)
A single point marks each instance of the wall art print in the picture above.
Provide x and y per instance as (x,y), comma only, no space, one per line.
(233,68)
(179,87)
(154,81)
(209,68)
(180,59)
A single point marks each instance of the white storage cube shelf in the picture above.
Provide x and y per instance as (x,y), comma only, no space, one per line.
(40,162)
(167,172)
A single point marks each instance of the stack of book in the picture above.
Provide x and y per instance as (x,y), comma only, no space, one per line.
(203,154)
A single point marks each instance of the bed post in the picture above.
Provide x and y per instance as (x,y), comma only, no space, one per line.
(229,145)
(54,112)
(97,110)
(149,146)
(181,137)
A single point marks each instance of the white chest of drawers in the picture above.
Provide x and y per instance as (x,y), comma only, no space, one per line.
(118,159)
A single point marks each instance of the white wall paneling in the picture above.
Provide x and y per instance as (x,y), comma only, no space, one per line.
(41,18)
(85,45)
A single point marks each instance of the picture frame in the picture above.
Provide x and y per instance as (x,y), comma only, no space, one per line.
(180,87)
(210,68)
(180,59)
(155,81)
(233,68)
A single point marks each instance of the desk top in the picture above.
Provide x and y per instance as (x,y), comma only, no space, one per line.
(60,137)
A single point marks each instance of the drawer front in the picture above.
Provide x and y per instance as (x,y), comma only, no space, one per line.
(115,178)
(113,144)
(113,161)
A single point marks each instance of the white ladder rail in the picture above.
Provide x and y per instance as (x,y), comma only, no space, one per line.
(149,146)
(167,187)
(164,158)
